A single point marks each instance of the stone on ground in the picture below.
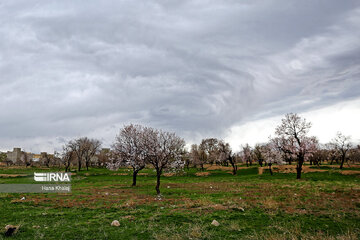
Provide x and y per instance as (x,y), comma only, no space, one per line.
(10,230)
(115,223)
(215,223)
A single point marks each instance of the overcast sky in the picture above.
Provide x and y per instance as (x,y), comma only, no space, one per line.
(228,69)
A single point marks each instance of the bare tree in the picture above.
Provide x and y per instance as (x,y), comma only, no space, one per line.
(291,137)
(225,155)
(271,155)
(103,157)
(68,156)
(186,158)
(354,154)
(258,153)
(45,159)
(197,156)
(246,154)
(210,147)
(342,145)
(164,150)
(90,148)
(331,153)
(84,149)
(130,149)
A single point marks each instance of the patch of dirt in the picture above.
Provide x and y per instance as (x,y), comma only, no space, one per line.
(120,174)
(12,175)
(143,174)
(216,167)
(349,172)
(292,169)
(345,166)
(169,174)
(14,167)
(17,201)
(201,174)
(223,168)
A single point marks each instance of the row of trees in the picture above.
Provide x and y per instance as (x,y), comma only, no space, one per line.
(138,146)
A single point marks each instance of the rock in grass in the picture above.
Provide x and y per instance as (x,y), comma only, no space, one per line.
(215,223)
(10,230)
(115,223)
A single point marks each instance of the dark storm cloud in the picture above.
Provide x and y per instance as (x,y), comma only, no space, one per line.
(73,68)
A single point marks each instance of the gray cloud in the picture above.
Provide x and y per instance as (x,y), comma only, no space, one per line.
(74,68)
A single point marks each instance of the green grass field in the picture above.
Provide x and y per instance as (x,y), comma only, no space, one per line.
(322,205)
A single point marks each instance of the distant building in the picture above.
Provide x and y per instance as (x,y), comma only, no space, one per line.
(17,156)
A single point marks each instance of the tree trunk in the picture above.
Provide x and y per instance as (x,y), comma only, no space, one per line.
(233,164)
(298,172)
(135,172)
(299,167)
(234,168)
(271,172)
(342,161)
(79,166)
(158,174)
(260,163)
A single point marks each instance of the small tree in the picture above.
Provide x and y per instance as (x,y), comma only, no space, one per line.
(76,146)
(209,149)
(103,158)
(67,157)
(291,137)
(84,149)
(46,159)
(271,155)
(163,150)
(354,154)
(225,155)
(130,149)
(342,145)
(186,158)
(198,156)
(91,147)
(258,153)
(246,154)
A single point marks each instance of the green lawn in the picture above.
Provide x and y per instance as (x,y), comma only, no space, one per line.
(322,205)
